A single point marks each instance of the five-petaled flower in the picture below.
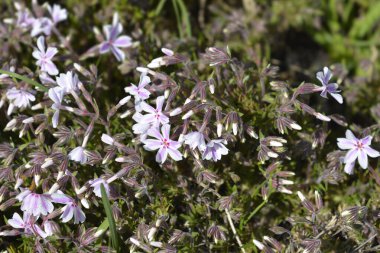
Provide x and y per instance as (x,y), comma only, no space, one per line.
(358,149)
(154,116)
(44,57)
(139,92)
(163,143)
(113,41)
(332,88)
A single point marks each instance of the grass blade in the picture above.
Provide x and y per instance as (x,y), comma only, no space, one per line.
(25,79)
(111,221)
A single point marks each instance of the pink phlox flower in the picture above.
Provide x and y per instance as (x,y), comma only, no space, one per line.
(154,115)
(163,143)
(357,149)
(44,57)
(113,41)
(139,92)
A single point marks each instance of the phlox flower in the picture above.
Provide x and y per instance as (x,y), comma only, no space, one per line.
(96,183)
(113,41)
(26,223)
(56,94)
(163,143)
(57,13)
(140,127)
(139,92)
(44,57)
(331,88)
(357,149)
(71,208)
(154,116)
(34,203)
(78,155)
(214,150)
(19,98)
(68,82)
(195,140)
(42,25)
(24,18)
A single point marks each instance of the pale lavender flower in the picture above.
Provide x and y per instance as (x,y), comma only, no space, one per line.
(42,25)
(154,116)
(332,88)
(163,143)
(19,98)
(34,203)
(57,13)
(71,208)
(96,183)
(44,58)
(68,82)
(24,19)
(140,127)
(56,94)
(195,140)
(139,92)
(358,149)
(214,150)
(26,223)
(113,41)
(78,155)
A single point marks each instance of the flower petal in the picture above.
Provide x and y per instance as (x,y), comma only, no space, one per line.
(363,159)
(371,152)
(351,156)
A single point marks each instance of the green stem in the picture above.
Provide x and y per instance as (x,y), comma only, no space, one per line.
(111,221)
(25,79)
(254,212)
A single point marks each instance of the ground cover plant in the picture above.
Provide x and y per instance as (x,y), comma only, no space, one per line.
(190,126)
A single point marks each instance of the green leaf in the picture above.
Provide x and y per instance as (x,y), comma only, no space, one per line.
(111,221)
(25,79)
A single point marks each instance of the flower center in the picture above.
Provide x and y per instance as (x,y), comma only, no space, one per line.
(165,142)
(359,145)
